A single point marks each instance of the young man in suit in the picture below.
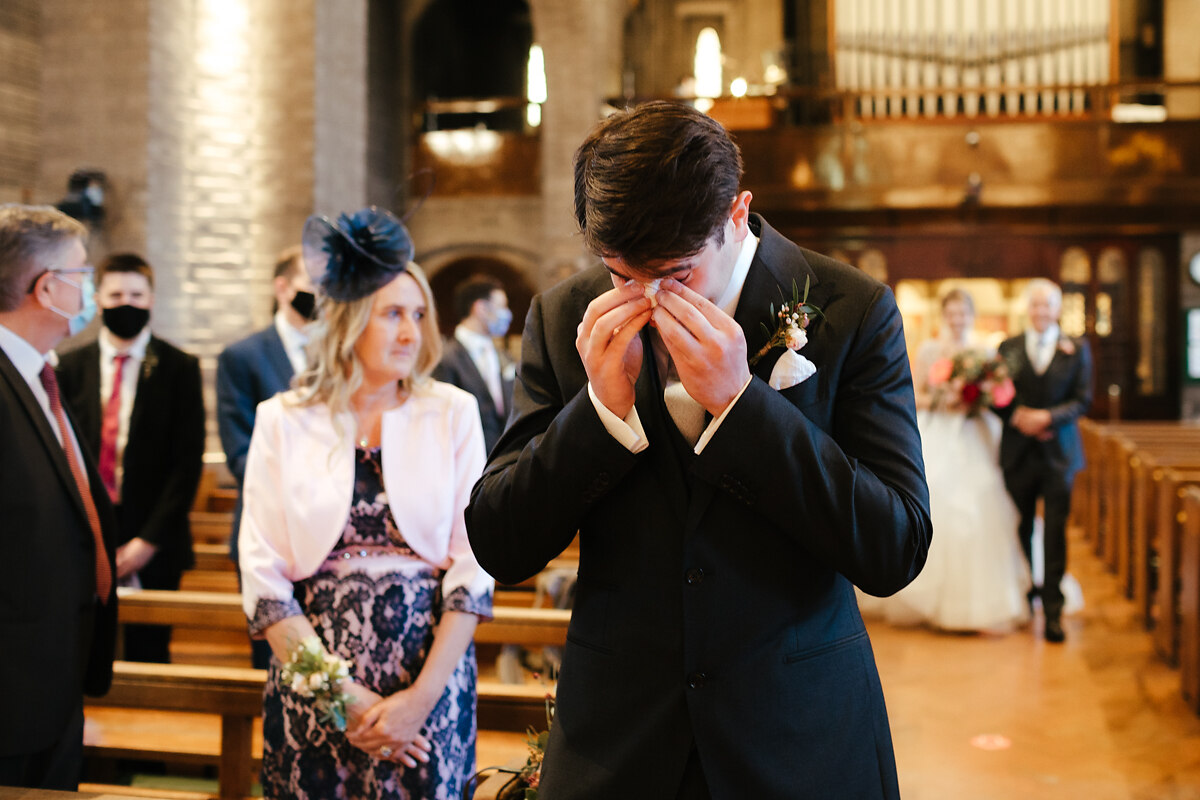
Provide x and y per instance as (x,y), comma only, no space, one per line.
(1040,449)
(57,609)
(257,368)
(723,523)
(140,408)
(471,360)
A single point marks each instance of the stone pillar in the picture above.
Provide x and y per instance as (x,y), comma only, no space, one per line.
(1181,57)
(581,40)
(341,106)
(20,96)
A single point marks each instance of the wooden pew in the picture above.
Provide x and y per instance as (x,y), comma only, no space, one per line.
(1148,471)
(1096,486)
(1168,520)
(1122,451)
(1189,597)
(197,697)
(1116,493)
(533,627)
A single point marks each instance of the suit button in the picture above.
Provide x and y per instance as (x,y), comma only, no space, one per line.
(696,680)
(694,575)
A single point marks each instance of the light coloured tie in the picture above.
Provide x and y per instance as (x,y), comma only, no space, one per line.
(684,410)
(1044,354)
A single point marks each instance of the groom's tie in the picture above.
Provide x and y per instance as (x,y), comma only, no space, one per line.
(687,414)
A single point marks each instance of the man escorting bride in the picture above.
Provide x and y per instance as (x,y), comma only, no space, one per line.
(976,577)
(999,433)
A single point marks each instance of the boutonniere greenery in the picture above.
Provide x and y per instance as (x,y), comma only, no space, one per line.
(1066,346)
(791,322)
(149,363)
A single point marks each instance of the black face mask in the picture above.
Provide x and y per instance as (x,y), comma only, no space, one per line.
(305,304)
(125,322)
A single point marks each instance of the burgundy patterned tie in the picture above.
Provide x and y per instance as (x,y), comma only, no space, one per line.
(110,426)
(103,569)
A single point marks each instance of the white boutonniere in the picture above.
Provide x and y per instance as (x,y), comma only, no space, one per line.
(1066,346)
(791,323)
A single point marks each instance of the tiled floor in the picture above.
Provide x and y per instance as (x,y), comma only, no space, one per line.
(992,717)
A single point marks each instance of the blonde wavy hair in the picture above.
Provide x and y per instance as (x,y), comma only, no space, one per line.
(335,372)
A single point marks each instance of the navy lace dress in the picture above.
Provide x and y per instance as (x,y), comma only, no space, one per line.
(375,603)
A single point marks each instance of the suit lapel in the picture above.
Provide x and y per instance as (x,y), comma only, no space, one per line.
(143,396)
(90,410)
(777,265)
(471,375)
(277,357)
(37,416)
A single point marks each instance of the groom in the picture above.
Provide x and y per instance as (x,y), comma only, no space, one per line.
(715,649)
(1040,449)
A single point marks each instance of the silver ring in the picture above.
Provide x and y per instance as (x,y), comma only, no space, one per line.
(385,751)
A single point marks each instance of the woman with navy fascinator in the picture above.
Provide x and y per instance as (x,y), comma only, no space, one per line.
(355,562)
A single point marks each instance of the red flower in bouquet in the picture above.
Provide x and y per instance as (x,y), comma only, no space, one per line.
(970,382)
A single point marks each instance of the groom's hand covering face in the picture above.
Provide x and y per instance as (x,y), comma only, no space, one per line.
(608,343)
(706,344)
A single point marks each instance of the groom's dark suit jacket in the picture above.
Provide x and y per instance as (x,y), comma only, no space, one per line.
(715,601)
(58,641)
(1065,388)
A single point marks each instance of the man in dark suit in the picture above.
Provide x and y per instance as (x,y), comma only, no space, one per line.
(257,368)
(471,360)
(140,408)
(57,608)
(1040,449)
(715,647)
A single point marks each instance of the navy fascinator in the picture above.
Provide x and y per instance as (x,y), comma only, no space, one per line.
(357,255)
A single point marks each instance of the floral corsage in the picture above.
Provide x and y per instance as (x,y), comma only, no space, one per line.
(790,332)
(312,672)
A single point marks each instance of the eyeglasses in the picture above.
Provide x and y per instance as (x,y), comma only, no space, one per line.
(88,270)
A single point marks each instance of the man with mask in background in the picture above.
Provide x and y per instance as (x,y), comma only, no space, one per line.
(471,360)
(140,409)
(257,368)
(58,613)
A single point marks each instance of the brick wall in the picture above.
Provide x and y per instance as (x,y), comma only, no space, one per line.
(20,84)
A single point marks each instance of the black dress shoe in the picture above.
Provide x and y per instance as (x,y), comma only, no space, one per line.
(1054,631)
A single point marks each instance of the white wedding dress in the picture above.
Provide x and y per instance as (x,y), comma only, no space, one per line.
(976,577)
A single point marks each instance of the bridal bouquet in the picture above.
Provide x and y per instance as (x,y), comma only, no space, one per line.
(970,382)
(311,672)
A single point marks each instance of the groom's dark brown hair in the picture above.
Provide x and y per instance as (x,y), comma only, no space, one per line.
(655,183)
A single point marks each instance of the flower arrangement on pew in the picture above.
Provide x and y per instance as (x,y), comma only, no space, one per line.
(970,382)
(524,783)
(312,672)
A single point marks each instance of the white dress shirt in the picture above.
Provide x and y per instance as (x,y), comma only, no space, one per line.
(294,342)
(129,381)
(629,431)
(1040,347)
(482,350)
(29,363)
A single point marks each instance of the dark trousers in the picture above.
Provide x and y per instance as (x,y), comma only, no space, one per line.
(1033,479)
(55,767)
(149,643)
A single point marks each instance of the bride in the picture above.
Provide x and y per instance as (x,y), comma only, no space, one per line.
(976,577)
